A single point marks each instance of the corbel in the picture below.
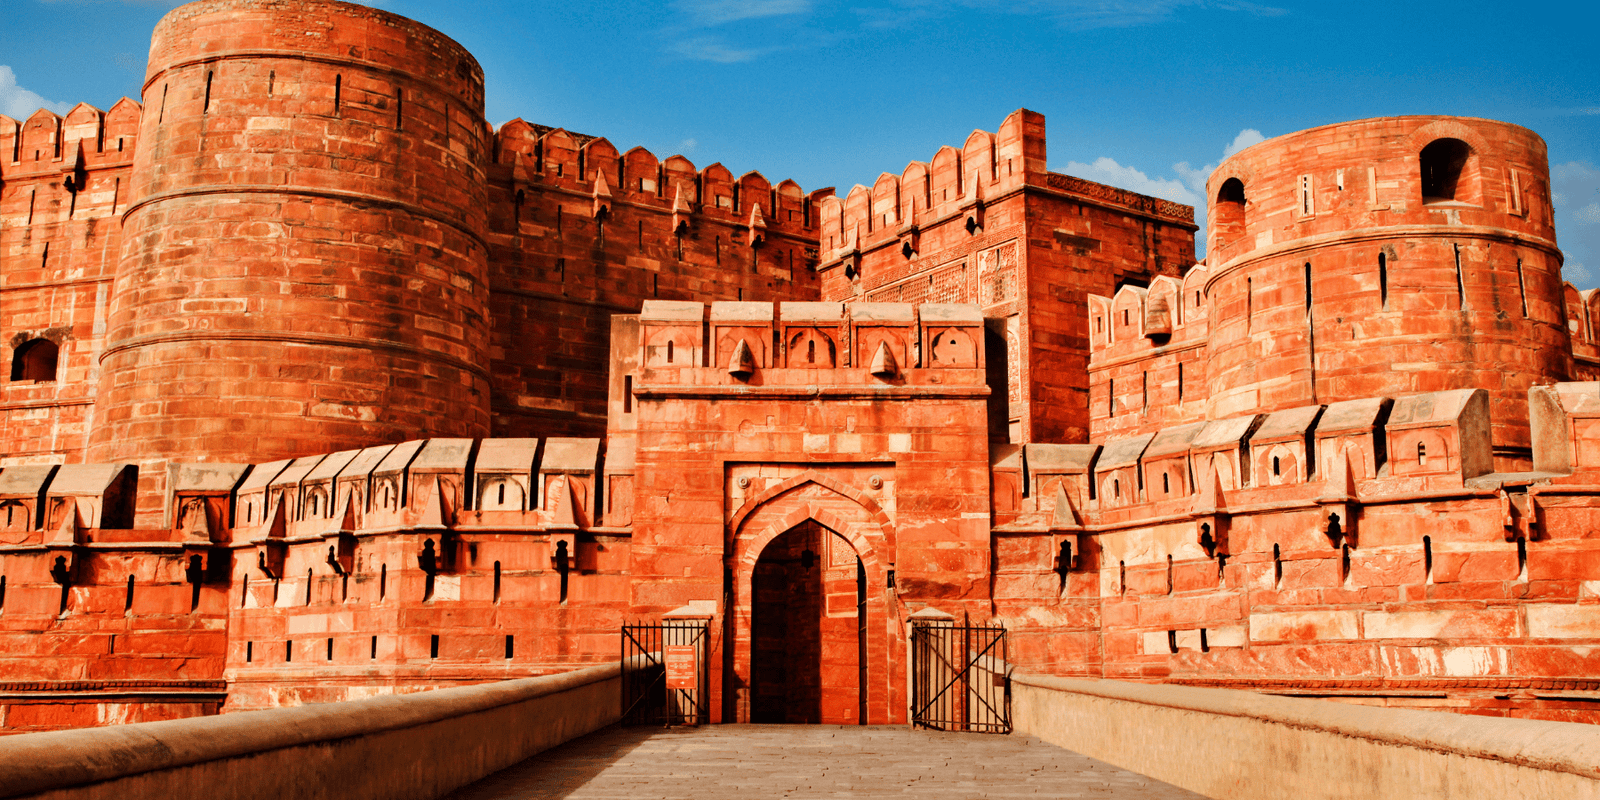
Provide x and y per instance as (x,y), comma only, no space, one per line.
(1520,515)
(63,540)
(1211,517)
(341,538)
(194,531)
(910,235)
(602,195)
(742,363)
(681,213)
(271,549)
(757,225)
(972,206)
(1339,504)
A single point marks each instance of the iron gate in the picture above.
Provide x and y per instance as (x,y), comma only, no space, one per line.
(960,677)
(664,678)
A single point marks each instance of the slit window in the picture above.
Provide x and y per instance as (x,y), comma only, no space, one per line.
(1383,281)
(1522,288)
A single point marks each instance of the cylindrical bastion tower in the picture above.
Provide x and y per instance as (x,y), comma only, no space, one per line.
(1386,257)
(304,267)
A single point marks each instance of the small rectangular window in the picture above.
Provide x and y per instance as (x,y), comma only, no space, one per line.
(1308,203)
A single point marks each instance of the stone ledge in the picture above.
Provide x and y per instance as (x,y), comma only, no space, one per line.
(31,764)
(1567,747)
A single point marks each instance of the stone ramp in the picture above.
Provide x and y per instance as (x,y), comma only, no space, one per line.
(805,761)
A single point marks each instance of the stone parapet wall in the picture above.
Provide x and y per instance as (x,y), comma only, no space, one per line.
(417,746)
(1244,745)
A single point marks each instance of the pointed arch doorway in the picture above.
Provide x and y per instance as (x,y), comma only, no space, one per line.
(808,629)
(833,627)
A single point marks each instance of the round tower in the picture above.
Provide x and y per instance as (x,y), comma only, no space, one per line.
(1386,257)
(303,267)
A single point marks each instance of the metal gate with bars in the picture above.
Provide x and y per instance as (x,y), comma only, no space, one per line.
(960,677)
(664,676)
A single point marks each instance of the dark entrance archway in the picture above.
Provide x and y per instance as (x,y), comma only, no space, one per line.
(808,630)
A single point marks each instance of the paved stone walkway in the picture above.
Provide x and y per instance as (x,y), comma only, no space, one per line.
(810,761)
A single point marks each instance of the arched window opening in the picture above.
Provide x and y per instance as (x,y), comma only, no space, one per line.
(1277,467)
(1443,162)
(35,360)
(1228,211)
(1232,191)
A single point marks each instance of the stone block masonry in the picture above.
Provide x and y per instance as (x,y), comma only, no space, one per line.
(321,388)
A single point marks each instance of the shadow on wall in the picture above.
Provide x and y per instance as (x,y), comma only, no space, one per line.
(561,771)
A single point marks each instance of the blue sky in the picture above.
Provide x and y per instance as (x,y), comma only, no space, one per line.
(1144,94)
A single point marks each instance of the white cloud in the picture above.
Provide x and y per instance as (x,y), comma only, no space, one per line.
(710,13)
(1189,187)
(710,48)
(1575,193)
(687,146)
(1246,137)
(19,103)
(1089,14)
(1108,171)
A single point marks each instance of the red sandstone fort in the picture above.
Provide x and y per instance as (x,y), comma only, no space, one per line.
(321,387)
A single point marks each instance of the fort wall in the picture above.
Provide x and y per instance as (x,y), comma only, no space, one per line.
(304,239)
(579,232)
(1424,243)
(989,224)
(63,185)
(322,388)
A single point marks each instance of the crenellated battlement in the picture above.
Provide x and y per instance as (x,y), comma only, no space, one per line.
(553,159)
